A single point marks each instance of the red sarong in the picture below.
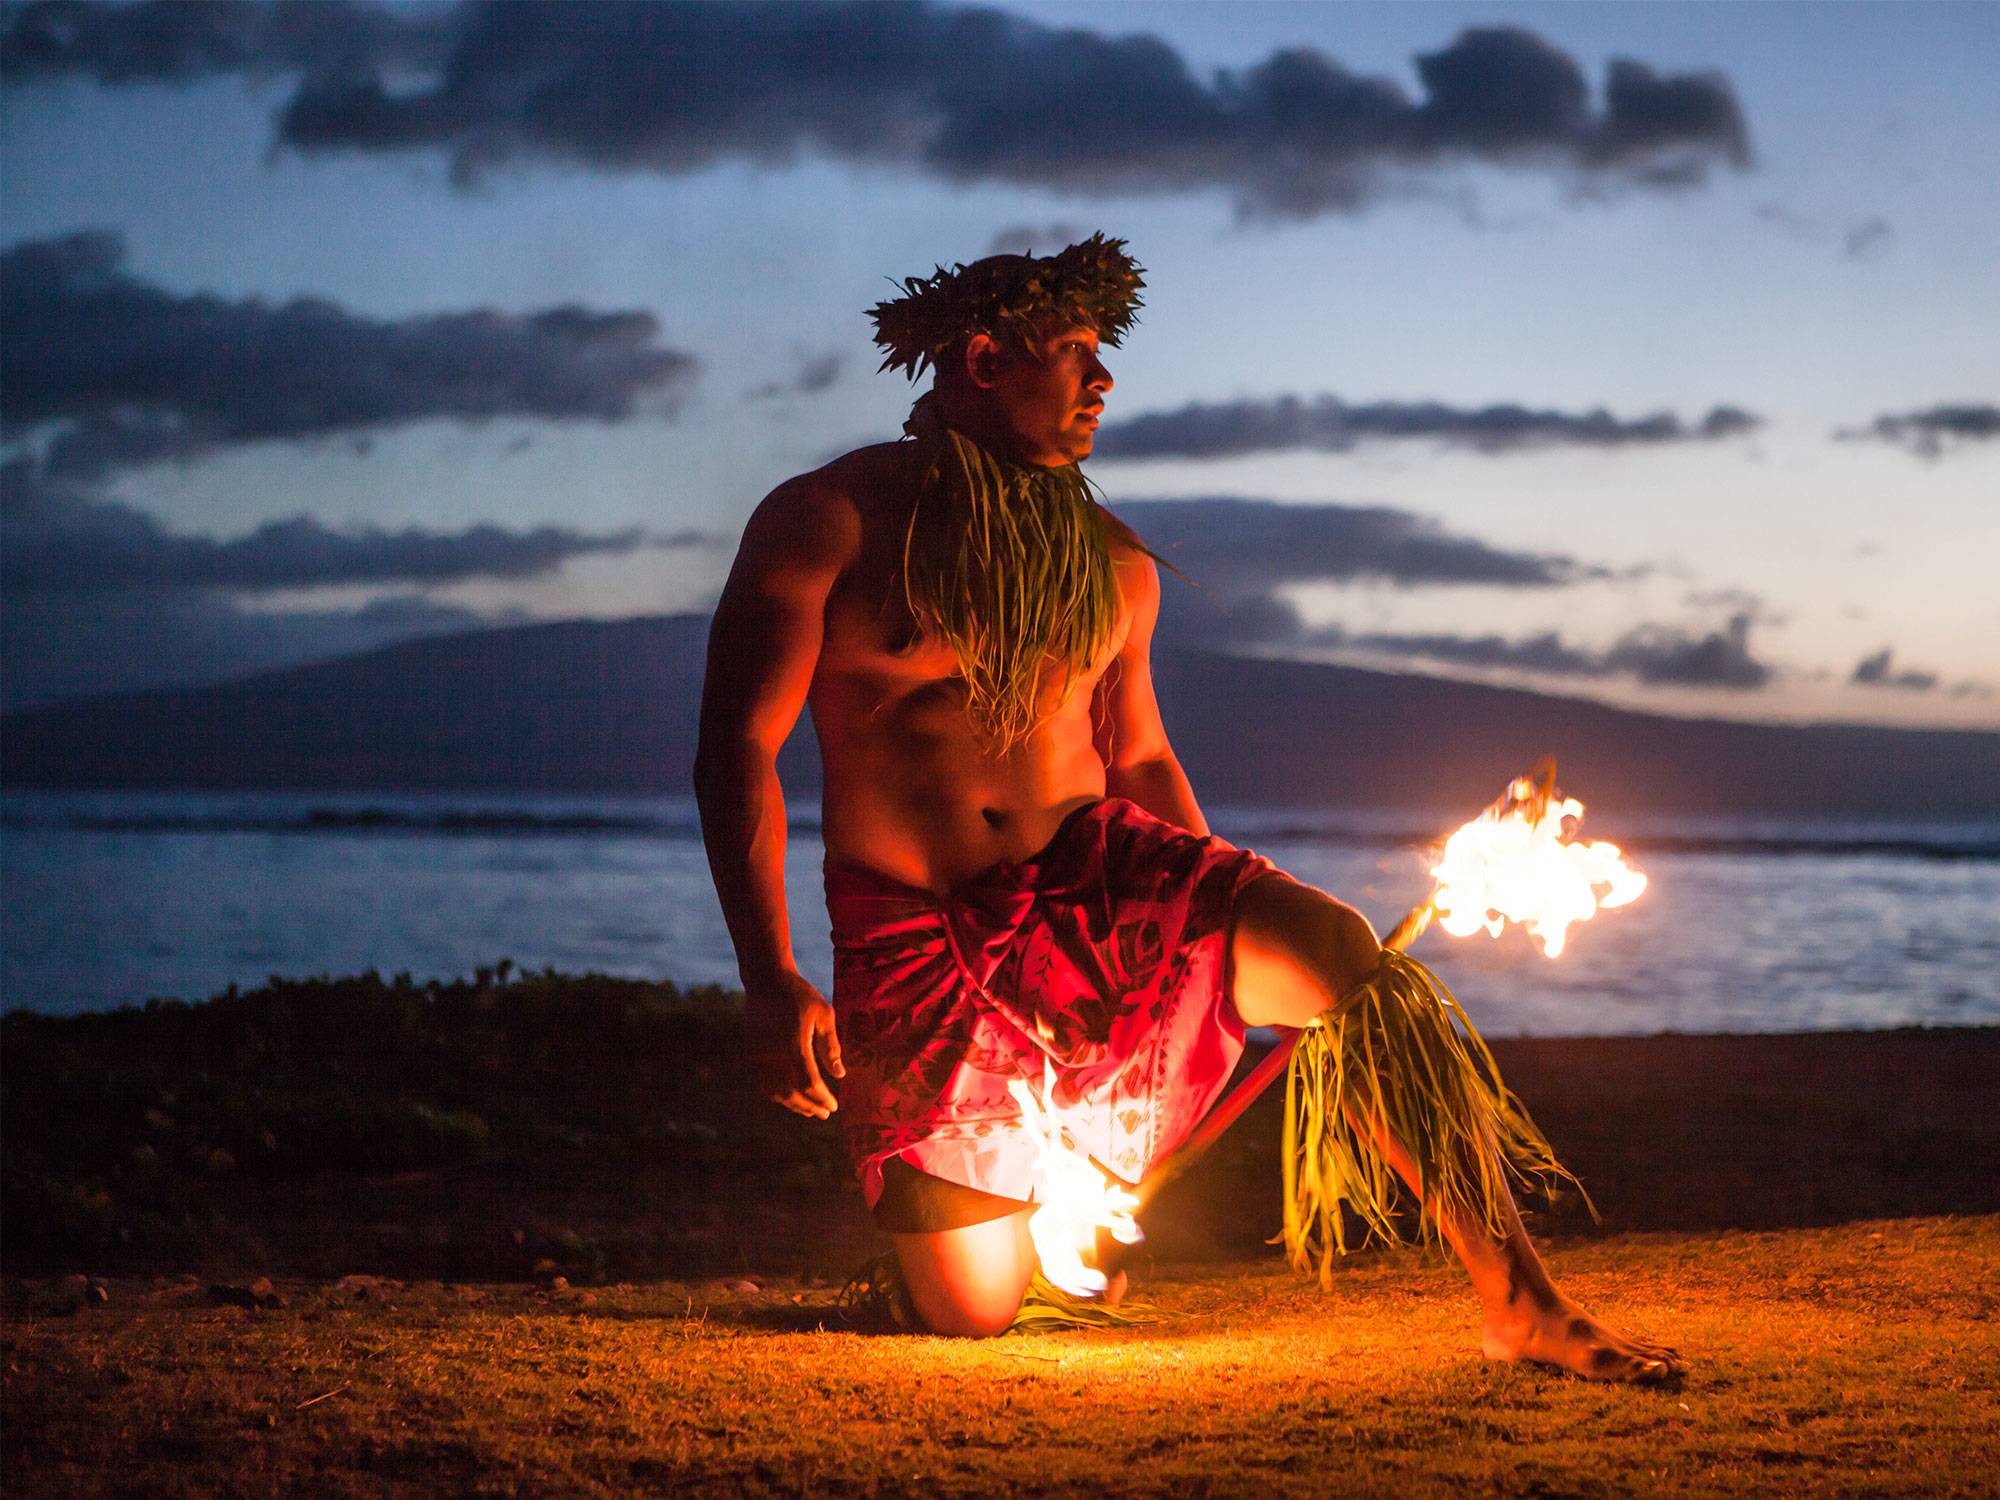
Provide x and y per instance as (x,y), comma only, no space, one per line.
(1101,963)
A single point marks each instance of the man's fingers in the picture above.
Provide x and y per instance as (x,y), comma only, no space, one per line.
(822,1097)
(802,1104)
(802,1095)
(832,1040)
(816,1089)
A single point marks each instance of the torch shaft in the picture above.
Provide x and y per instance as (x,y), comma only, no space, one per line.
(1219,1119)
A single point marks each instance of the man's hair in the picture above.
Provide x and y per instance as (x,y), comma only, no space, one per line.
(1010,298)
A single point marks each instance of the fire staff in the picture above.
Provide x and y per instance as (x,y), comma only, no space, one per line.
(1021,882)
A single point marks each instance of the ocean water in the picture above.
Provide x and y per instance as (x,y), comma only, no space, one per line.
(115,898)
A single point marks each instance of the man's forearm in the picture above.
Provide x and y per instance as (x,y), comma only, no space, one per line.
(743,829)
(1161,787)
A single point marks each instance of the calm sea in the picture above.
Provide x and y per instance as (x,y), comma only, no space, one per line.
(112,899)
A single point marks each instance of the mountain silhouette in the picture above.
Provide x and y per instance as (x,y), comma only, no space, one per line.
(593,706)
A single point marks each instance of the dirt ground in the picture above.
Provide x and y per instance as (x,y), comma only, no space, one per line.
(1859,1360)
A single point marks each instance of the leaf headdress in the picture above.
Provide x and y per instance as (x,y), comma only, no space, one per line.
(1093,283)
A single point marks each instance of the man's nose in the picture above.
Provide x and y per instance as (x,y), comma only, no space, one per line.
(1099,378)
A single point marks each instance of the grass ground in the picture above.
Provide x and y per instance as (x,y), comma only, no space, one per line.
(1857,1360)
(1814,1220)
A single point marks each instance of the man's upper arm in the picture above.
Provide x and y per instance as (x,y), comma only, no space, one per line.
(1129,731)
(765,640)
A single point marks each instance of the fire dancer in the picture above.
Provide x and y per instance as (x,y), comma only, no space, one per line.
(1020,879)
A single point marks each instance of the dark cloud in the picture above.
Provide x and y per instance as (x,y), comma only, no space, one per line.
(1330,425)
(1539,653)
(126,372)
(965,93)
(1671,655)
(1659,655)
(1240,554)
(816,373)
(1237,547)
(173,41)
(100,371)
(65,541)
(100,597)
(1877,671)
(1929,432)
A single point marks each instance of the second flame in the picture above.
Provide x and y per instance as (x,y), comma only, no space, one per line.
(1511,864)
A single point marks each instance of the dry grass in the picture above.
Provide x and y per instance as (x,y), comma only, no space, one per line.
(1861,1360)
(482,1131)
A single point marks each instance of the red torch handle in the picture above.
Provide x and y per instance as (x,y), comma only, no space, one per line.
(1219,1119)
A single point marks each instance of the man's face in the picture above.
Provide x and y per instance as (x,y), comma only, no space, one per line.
(1051,402)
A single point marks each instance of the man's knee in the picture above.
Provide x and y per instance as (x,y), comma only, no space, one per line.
(968,1283)
(1297,951)
(954,1318)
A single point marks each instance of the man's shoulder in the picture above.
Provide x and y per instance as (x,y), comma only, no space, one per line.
(857,477)
(1127,547)
(825,512)
(1123,538)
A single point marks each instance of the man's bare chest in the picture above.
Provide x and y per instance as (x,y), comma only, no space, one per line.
(873,632)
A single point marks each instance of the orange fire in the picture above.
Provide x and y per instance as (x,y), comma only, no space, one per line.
(1074,1199)
(1512,864)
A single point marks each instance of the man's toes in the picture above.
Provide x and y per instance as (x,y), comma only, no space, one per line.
(1661,1353)
(1630,1362)
(1622,1364)
(1648,1364)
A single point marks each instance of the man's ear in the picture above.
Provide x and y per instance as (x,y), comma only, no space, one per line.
(982,360)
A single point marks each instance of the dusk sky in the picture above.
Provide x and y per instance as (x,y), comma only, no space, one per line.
(1642,352)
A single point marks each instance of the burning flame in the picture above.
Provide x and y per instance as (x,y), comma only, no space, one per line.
(1510,864)
(1075,1200)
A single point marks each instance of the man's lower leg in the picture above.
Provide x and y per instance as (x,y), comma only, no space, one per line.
(1297,951)
(1526,1316)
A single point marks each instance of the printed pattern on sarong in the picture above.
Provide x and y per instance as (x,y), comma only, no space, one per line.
(1096,970)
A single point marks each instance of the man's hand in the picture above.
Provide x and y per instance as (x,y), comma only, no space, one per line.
(794,1046)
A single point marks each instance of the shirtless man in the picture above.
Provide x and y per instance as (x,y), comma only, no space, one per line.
(818,610)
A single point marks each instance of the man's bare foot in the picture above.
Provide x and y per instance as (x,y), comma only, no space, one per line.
(1555,1331)
(1115,1293)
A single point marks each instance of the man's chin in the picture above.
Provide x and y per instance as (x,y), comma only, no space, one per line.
(1070,447)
